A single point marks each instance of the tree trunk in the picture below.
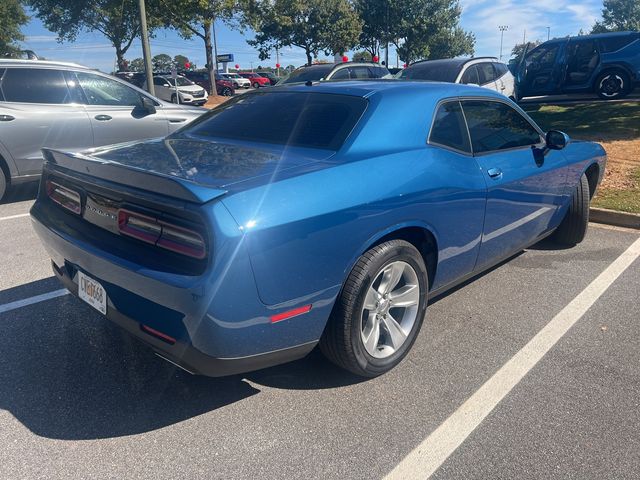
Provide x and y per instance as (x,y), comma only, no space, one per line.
(122,63)
(210,60)
(309,58)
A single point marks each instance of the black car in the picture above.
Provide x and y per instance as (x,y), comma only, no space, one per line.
(607,64)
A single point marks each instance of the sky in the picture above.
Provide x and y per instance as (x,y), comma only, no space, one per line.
(525,19)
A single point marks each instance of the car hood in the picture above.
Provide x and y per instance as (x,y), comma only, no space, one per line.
(190,88)
(208,162)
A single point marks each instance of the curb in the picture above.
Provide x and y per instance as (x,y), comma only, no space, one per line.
(613,217)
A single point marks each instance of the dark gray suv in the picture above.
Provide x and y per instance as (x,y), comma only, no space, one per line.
(70,107)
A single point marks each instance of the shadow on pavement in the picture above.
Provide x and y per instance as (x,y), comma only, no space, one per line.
(21,193)
(68,373)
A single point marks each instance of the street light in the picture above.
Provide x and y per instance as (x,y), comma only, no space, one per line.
(548,33)
(502,29)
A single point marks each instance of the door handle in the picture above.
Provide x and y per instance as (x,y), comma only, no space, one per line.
(6,118)
(494,172)
(177,120)
(102,118)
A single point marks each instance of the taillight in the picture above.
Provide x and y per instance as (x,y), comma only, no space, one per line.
(65,197)
(162,234)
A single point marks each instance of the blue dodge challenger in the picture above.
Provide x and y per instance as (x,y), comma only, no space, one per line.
(236,243)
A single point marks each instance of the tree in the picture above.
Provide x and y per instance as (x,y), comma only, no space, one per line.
(118,20)
(363,56)
(181,62)
(428,29)
(194,18)
(12,17)
(619,16)
(136,65)
(329,26)
(162,63)
(520,49)
(375,15)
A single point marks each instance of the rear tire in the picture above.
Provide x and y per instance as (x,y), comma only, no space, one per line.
(256,85)
(174,98)
(574,226)
(356,310)
(613,85)
(4,184)
(226,92)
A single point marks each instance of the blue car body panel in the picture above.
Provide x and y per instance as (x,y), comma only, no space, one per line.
(285,225)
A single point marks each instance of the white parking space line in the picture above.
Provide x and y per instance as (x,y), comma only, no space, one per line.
(7,307)
(11,217)
(427,457)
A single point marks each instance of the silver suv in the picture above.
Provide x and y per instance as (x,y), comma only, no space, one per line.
(71,107)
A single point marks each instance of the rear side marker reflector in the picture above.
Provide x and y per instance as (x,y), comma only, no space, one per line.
(155,333)
(291,313)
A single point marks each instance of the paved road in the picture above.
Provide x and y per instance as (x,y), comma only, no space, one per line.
(80,399)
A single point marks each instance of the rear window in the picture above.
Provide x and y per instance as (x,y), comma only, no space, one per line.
(314,73)
(312,120)
(435,72)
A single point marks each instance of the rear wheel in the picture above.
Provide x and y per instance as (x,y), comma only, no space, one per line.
(612,85)
(256,85)
(4,184)
(380,310)
(573,228)
(226,92)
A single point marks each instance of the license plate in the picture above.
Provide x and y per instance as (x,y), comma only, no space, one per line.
(92,292)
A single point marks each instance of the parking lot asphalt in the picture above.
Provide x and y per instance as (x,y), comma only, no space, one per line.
(81,399)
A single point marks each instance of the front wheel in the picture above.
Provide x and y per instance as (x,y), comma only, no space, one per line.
(226,92)
(612,85)
(256,85)
(174,99)
(380,310)
(574,225)
(3,184)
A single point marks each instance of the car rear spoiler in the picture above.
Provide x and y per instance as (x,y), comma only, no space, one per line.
(133,177)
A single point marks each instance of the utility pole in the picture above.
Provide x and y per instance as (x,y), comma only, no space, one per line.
(548,33)
(502,29)
(215,45)
(146,51)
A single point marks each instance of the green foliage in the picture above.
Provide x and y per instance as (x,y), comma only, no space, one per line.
(136,65)
(520,48)
(180,61)
(162,63)
(329,26)
(118,20)
(375,16)
(12,17)
(363,56)
(618,16)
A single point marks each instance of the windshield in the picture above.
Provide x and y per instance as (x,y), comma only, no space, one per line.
(434,71)
(311,120)
(314,73)
(231,75)
(181,81)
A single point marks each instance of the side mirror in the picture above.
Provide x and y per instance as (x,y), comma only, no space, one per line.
(166,85)
(148,105)
(557,140)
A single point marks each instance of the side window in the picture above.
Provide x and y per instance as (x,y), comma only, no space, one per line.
(544,56)
(100,90)
(342,74)
(158,81)
(486,73)
(501,69)
(35,85)
(497,126)
(360,72)
(613,44)
(2,70)
(449,128)
(470,75)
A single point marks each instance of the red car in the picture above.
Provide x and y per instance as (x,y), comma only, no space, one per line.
(256,80)
(223,87)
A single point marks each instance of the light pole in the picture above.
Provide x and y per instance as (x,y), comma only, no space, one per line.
(548,33)
(146,51)
(502,29)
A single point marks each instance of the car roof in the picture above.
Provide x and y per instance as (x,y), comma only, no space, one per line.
(593,36)
(370,87)
(457,62)
(40,63)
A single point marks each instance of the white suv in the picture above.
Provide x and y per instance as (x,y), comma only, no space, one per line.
(237,80)
(187,91)
(486,72)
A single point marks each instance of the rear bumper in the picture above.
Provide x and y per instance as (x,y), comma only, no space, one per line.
(183,354)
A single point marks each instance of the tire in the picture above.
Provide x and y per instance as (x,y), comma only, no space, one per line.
(256,85)
(612,85)
(4,184)
(574,225)
(174,99)
(343,341)
(226,92)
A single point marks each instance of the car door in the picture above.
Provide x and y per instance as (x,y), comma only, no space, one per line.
(542,69)
(39,109)
(526,183)
(582,60)
(116,111)
(163,88)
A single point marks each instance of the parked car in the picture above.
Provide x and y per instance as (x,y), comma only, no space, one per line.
(68,106)
(187,91)
(256,80)
(134,78)
(486,72)
(336,71)
(237,80)
(273,79)
(228,248)
(223,87)
(607,64)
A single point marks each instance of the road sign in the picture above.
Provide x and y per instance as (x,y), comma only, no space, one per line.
(226,58)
